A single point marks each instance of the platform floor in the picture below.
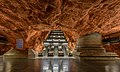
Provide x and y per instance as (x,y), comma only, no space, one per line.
(57,65)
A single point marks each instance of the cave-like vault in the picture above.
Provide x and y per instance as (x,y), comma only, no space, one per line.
(32,20)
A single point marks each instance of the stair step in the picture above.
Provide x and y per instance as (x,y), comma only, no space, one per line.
(107,54)
(99,58)
(91,50)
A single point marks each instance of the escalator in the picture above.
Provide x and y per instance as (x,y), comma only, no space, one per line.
(56,45)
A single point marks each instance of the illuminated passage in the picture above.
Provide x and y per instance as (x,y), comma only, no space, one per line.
(56,45)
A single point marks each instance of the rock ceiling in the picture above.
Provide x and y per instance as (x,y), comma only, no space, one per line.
(33,19)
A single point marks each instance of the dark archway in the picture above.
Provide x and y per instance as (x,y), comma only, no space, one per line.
(4,44)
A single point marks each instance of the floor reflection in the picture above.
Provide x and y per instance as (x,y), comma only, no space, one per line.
(58,65)
(112,68)
(55,65)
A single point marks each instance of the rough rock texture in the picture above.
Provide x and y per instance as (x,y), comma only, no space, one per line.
(33,19)
(4,48)
(113,48)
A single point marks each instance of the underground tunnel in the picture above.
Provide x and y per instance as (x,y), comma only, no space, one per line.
(60,36)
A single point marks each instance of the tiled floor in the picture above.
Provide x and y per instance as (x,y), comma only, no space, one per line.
(57,65)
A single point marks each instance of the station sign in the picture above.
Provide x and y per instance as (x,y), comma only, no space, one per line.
(19,43)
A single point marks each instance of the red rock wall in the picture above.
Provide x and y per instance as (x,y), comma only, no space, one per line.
(113,48)
(4,48)
(29,19)
(71,38)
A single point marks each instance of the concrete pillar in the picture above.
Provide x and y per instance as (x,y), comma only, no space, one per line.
(90,47)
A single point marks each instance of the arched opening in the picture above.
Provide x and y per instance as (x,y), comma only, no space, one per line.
(56,45)
(4,44)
